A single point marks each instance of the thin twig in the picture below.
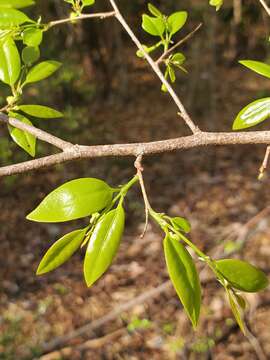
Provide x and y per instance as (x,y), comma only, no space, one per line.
(156,69)
(264,163)
(265,6)
(180,42)
(147,206)
(101,15)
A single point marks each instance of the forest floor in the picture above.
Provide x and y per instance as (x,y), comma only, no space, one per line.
(215,188)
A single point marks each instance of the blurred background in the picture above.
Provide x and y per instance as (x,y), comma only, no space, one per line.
(108,95)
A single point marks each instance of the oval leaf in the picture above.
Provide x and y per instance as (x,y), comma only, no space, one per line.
(73,200)
(30,54)
(32,37)
(12,17)
(176,21)
(184,277)
(103,244)
(242,275)
(42,71)
(10,62)
(257,66)
(22,138)
(61,251)
(40,111)
(16,3)
(181,224)
(153,10)
(252,114)
(154,26)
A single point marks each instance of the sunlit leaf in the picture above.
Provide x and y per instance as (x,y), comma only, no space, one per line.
(22,138)
(10,62)
(32,36)
(236,310)
(61,251)
(241,275)
(88,2)
(216,3)
(12,17)
(42,71)
(257,66)
(103,244)
(154,26)
(176,21)
(180,223)
(73,200)
(184,277)
(40,111)
(253,114)
(16,3)
(154,10)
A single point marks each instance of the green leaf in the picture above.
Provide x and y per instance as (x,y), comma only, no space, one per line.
(242,275)
(32,36)
(10,62)
(73,200)
(42,71)
(30,54)
(184,277)
(236,310)
(176,21)
(171,74)
(180,223)
(257,66)
(103,244)
(16,3)
(61,251)
(253,114)
(40,111)
(153,26)
(22,138)
(12,17)
(216,3)
(88,2)
(178,59)
(153,10)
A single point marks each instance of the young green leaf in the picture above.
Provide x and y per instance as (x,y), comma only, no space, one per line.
(236,310)
(88,2)
(30,54)
(16,3)
(73,200)
(184,277)
(153,26)
(180,223)
(253,114)
(22,138)
(176,21)
(103,244)
(257,66)
(216,3)
(171,73)
(10,62)
(153,10)
(40,111)
(11,17)
(42,71)
(242,275)
(32,36)
(178,59)
(61,251)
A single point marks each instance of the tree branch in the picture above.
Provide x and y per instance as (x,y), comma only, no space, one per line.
(265,6)
(101,15)
(85,152)
(156,69)
(40,134)
(175,46)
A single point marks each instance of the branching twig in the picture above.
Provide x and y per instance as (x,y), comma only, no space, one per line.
(264,163)
(265,6)
(156,69)
(101,15)
(174,47)
(139,167)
